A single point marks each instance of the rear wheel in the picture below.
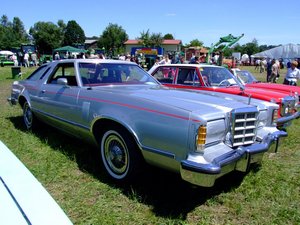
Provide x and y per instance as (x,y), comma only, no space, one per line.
(120,155)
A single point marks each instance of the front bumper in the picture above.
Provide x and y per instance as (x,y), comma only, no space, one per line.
(286,121)
(12,101)
(199,171)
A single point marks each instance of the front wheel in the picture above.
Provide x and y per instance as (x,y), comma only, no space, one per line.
(120,155)
(28,117)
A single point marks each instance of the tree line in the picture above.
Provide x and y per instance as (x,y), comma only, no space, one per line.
(48,36)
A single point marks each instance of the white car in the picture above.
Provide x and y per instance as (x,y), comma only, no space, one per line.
(23,200)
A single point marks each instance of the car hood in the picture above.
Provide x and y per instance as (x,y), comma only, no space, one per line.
(275,87)
(255,93)
(184,99)
(261,104)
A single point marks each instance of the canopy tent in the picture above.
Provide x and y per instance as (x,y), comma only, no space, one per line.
(288,51)
(69,49)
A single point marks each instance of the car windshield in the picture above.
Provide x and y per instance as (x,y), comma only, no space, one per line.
(246,77)
(218,77)
(94,74)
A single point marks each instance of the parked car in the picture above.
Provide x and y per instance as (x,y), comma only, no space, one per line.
(249,80)
(132,118)
(23,199)
(219,79)
(5,60)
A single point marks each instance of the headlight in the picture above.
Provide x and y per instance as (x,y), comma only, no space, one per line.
(201,138)
(287,106)
(262,118)
(297,99)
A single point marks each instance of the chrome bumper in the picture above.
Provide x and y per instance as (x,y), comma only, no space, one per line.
(287,120)
(12,101)
(205,174)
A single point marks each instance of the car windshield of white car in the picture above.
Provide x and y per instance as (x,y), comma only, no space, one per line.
(218,77)
(97,74)
(246,77)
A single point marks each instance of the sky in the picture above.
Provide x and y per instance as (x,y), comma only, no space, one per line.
(269,22)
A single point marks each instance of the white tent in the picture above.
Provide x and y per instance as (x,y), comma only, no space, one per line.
(288,51)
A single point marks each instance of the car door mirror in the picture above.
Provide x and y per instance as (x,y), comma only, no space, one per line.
(62,81)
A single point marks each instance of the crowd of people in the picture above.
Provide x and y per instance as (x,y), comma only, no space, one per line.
(273,67)
(27,59)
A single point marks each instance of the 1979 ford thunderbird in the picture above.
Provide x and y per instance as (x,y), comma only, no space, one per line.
(131,117)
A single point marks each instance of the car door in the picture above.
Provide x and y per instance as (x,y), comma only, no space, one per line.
(58,101)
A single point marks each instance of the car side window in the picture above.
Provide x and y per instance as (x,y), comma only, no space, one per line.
(165,74)
(64,70)
(39,73)
(187,76)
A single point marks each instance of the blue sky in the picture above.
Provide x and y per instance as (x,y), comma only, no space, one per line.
(270,22)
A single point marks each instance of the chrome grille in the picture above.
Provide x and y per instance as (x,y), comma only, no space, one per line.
(243,129)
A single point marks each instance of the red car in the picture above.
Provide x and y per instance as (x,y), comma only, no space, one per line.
(249,80)
(219,79)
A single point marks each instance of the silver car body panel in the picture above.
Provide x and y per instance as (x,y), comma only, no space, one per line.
(163,121)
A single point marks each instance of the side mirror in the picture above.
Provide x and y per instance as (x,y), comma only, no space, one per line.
(62,81)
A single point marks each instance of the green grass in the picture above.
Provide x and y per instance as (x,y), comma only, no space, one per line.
(71,172)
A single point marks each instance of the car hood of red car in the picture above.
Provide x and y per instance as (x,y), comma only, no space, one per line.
(275,87)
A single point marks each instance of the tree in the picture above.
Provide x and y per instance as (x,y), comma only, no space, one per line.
(74,34)
(12,34)
(113,38)
(62,27)
(168,37)
(150,40)
(156,39)
(47,36)
(4,21)
(251,47)
(19,30)
(195,43)
(144,39)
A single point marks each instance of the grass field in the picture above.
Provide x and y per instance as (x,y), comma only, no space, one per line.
(70,171)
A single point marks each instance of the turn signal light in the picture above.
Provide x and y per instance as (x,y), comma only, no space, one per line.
(201,138)
(275,117)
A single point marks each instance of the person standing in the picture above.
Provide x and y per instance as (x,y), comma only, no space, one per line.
(274,72)
(56,56)
(15,59)
(26,59)
(269,69)
(34,59)
(292,75)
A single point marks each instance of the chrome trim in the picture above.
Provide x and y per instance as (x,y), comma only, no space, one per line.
(284,121)
(12,101)
(205,174)
(244,126)
(159,152)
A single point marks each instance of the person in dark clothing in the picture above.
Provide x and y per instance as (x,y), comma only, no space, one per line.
(269,70)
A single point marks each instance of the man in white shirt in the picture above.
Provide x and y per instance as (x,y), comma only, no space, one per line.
(292,75)
(26,59)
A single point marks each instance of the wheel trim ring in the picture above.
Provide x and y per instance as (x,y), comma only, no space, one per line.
(116,154)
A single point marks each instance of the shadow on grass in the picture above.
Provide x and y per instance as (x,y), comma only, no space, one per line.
(165,192)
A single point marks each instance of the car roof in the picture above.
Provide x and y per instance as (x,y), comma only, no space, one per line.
(189,65)
(111,61)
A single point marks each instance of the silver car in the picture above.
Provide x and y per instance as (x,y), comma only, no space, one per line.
(132,118)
